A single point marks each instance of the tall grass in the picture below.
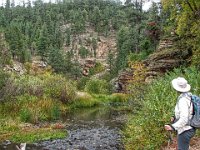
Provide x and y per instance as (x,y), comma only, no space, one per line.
(146,129)
(87,101)
(34,98)
(31,109)
(97,86)
(51,86)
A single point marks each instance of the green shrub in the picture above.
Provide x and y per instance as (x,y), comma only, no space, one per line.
(107,76)
(97,68)
(84,101)
(119,97)
(3,78)
(96,86)
(25,115)
(137,57)
(20,85)
(30,84)
(32,109)
(57,87)
(83,52)
(35,98)
(52,86)
(146,129)
(82,82)
(55,112)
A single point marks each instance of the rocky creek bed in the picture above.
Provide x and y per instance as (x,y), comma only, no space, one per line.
(88,129)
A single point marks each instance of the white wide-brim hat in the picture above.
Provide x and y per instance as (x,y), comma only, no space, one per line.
(181,85)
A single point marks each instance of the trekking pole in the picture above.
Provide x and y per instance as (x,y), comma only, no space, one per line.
(170,140)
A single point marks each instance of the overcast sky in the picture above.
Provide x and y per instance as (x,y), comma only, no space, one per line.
(145,7)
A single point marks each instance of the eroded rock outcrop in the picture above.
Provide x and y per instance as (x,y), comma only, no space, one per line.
(121,83)
(167,57)
(89,63)
(16,67)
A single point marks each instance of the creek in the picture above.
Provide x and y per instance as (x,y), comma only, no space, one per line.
(88,129)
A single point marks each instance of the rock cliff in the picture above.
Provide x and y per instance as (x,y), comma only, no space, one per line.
(169,55)
(95,46)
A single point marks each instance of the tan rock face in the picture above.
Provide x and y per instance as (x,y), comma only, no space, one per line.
(97,52)
(103,45)
(16,67)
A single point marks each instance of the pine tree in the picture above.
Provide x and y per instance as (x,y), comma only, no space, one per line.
(111,62)
(5,56)
(16,42)
(94,46)
(43,43)
(68,37)
(56,59)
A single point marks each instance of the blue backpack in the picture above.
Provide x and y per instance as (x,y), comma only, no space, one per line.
(195,121)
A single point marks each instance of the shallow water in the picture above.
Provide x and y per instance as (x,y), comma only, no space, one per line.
(88,129)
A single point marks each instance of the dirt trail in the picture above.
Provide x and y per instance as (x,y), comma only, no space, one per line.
(194,145)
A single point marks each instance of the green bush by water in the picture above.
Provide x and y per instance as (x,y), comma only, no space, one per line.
(82,82)
(25,115)
(57,87)
(31,109)
(146,129)
(51,86)
(96,86)
(87,101)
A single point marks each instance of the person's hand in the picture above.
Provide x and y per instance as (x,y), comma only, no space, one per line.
(172,119)
(168,128)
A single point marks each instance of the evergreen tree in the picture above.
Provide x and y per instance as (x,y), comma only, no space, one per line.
(123,47)
(68,37)
(96,17)
(76,70)
(56,59)
(43,43)
(94,46)
(58,39)
(111,62)
(5,56)
(83,52)
(16,42)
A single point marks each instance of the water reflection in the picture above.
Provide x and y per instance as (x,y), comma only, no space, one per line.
(89,129)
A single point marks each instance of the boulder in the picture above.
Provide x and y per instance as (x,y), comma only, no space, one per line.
(121,83)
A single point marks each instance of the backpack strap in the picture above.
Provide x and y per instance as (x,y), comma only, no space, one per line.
(187,95)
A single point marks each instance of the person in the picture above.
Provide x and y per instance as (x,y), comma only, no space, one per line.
(183,113)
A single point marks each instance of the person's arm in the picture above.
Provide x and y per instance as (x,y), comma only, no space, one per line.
(184,114)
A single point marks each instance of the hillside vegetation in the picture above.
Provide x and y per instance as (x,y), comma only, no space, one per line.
(146,129)
(61,56)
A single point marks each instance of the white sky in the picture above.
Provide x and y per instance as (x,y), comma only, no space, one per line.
(17,2)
